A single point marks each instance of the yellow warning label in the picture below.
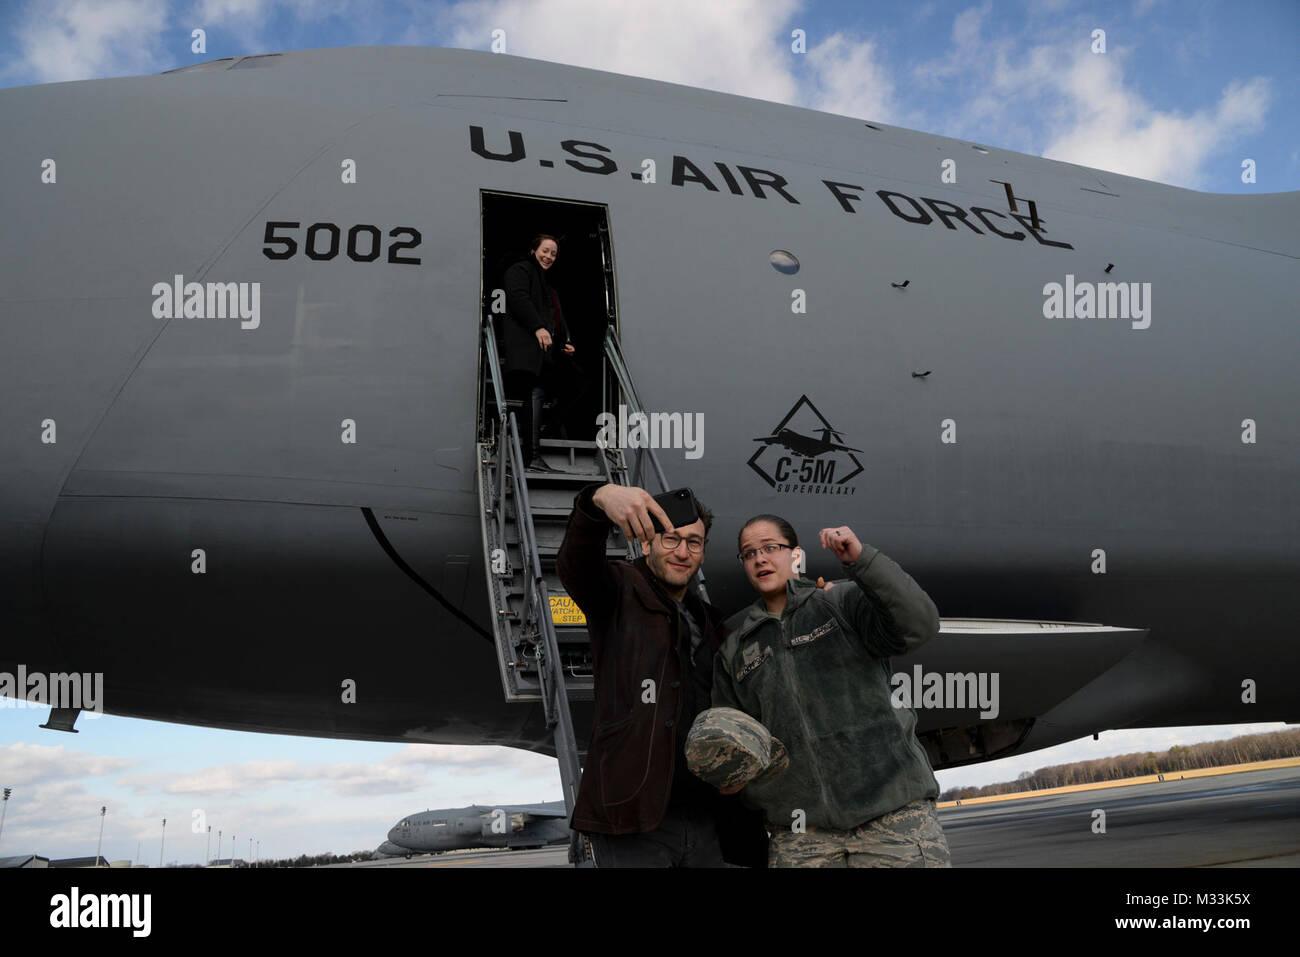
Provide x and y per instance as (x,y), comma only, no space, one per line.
(565,611)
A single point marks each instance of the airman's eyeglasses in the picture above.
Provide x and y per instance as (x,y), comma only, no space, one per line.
(748,554)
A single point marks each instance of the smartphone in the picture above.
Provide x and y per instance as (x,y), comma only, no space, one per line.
(679,506)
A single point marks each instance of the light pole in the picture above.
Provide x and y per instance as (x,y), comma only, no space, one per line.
(218,843)
(163,842)
(258,853)
(102,811)
(207,855)
(4,806)
(250,848)
(232,848)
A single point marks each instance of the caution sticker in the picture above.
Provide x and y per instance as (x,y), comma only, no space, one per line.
(565,611)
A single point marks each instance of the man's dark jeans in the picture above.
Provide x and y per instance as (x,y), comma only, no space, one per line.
(686,838)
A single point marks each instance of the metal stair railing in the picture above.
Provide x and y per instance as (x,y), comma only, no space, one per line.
(534,621)
(555,697)
(614,357)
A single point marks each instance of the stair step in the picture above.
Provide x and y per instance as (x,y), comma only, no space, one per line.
(555,499)
(551,498)
(548,542)
(569,444)
(533,476)
(545,511)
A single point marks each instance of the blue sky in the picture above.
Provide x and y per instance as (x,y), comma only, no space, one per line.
(1184,92)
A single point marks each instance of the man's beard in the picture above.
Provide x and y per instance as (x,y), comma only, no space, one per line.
(665,572)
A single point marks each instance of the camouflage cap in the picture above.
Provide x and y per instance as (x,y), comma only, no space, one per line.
(728,749)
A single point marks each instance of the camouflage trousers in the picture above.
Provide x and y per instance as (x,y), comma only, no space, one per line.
(908,837)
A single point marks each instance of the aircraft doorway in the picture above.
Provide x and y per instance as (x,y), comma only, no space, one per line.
(583,280)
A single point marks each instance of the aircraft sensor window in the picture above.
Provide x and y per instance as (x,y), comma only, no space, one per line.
(784,262)
(979,149)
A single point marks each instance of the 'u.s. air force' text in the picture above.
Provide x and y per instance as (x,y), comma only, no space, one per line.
(587,156)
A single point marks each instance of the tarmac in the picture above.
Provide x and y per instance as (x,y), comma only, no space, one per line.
(1244,819)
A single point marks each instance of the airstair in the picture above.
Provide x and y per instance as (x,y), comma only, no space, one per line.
(541,636)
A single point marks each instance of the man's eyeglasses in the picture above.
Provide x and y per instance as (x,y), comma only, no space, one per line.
(749,554)
(671,540)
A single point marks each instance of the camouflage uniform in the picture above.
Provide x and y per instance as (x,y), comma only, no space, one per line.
(818,678)
(908,837)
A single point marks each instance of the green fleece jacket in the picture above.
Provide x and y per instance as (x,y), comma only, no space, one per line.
(818,678)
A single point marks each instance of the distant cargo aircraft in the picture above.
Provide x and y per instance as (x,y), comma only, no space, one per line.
(244,412)
(448,829)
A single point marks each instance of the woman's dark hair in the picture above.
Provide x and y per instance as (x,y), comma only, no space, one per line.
(786,528)
(541,238)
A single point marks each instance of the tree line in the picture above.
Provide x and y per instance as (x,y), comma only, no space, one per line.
(1207,754)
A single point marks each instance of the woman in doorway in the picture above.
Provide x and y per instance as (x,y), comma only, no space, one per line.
(537,346)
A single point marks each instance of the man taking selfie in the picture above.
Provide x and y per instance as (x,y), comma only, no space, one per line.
(653,640)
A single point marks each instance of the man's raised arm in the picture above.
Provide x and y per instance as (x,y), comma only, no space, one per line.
(583,567)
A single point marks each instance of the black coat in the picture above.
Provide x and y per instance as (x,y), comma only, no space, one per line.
(528,301)
(636,634)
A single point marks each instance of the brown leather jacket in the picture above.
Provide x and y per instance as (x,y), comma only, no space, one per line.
(635,637)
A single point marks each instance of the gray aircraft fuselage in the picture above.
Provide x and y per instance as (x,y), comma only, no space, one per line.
(1034,449)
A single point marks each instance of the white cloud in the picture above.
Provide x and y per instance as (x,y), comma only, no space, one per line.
(36,764)
(51,811)
(1062,101)
(80,39)
(247,20)
(1111,127)
(225,10)
(966,46)
(408,770)
(735,46)
(850,80)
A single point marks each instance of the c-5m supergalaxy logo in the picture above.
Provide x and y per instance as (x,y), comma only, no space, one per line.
(805,454)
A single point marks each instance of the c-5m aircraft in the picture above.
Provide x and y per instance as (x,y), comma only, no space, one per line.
(514,826)
(807,445)
(247,405)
